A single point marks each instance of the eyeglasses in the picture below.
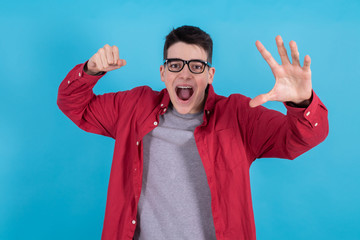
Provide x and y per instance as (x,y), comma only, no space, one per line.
(195,66)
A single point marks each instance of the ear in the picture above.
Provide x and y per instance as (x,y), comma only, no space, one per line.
(162,73)
(211,75)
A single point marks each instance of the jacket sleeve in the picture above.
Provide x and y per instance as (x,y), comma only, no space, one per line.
(273,134)
(92,113)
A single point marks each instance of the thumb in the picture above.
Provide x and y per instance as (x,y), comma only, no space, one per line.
(121,62)
(91,64)
(259,100)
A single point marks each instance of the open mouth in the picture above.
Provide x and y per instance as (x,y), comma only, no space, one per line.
(184,92)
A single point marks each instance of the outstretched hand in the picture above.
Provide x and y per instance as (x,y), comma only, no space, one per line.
(292,82)
(106,59)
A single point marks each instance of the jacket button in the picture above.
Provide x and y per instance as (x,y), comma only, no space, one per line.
(155,123)
(133,221)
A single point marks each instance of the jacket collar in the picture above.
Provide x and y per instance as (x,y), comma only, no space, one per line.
(210,99)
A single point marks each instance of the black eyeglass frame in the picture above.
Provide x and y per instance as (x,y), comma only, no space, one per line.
(187,63)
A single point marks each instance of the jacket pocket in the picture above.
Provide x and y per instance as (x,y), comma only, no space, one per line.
(227,152)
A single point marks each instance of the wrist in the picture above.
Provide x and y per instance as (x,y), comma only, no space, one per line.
(87,71)
(301,104)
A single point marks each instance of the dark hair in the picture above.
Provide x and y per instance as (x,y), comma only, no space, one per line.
(190,35)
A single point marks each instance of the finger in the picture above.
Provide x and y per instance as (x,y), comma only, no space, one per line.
(115,52)
(307,62)
(102,55)
(109,54)
(282,50)
(294,53)
(266,55)
(259,100)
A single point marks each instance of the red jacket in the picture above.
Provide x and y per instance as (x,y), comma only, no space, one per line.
(230,138)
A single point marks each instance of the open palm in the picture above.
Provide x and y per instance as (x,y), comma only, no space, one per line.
(292,82)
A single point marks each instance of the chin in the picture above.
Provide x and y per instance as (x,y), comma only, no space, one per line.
(183,106)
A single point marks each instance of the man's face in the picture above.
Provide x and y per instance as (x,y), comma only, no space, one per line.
(187,89)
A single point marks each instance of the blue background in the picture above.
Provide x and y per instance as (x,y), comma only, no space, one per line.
(54,176)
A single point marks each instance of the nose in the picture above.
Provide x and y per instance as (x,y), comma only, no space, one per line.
(185,72)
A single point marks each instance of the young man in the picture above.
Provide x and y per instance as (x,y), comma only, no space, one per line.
(182,156)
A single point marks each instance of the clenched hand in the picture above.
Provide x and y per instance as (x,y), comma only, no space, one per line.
(106,59)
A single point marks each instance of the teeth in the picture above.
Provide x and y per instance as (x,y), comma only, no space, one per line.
(184,87)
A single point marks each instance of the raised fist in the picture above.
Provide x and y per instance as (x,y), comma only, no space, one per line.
(106,59)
